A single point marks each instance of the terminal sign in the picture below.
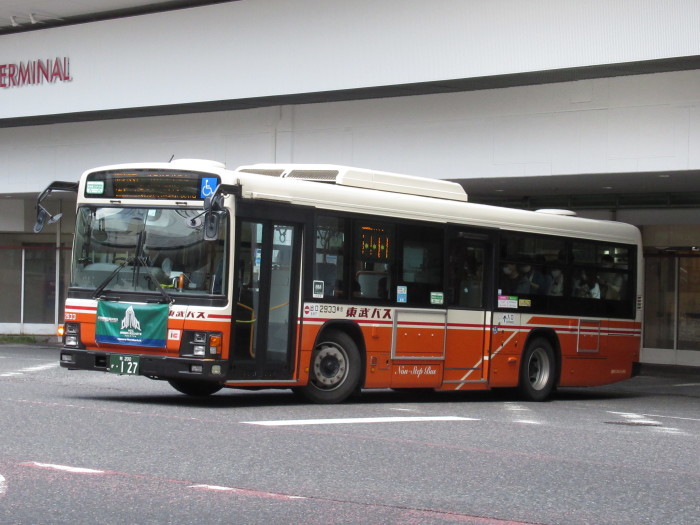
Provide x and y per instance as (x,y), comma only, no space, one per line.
(35,72)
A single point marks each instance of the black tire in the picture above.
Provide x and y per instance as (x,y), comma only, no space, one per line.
(335,369)
(194,387)
(538,370)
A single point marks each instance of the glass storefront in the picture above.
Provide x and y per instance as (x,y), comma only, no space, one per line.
(689,303)
(28,284)
(672,299)
(10,284)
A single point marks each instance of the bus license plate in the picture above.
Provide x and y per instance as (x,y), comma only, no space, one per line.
(124,364)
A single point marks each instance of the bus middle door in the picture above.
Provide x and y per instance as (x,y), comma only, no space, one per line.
(468,314)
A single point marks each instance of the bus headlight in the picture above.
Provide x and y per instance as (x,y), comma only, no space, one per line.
(201,344)
(71,335)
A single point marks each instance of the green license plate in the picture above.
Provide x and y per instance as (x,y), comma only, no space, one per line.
(124,364)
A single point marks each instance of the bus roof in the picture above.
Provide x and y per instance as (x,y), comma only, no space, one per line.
(299,184)
(358,190)
(362,178)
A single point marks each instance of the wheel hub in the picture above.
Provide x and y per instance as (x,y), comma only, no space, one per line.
(330,366)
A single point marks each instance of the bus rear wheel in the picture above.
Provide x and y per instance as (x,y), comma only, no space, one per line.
(537,370)
(335,369)
(195,388)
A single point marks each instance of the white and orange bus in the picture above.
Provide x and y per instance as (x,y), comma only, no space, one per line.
(330,279)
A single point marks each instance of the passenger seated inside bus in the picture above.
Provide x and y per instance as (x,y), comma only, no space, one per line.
(586,285)
(382,288)
(512,281)
(327,272)
(372,286)
(612,281)
(537,282)
(556,285)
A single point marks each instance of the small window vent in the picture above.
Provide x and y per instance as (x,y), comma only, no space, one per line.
(315,175)
(261,171)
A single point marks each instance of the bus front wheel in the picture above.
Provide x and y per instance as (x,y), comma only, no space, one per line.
(538,370)
(335,369)
(195,388)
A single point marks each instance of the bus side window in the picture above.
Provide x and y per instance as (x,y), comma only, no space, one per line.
(466,273)
(330,257)
(328,273)
(421,264)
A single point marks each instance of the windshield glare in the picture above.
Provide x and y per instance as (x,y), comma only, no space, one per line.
(169,246)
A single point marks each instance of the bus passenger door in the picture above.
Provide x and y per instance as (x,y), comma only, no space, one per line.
(468,315)
(266,291)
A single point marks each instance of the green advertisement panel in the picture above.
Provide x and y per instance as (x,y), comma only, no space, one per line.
(132,324)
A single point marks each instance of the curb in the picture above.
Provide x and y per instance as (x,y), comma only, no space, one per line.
(647,369)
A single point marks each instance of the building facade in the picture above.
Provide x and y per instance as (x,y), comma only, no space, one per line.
(592,106)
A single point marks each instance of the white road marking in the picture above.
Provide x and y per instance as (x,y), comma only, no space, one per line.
(291,422)
(637,419)
(245,491)
(674,417)
(643,420)
(687,384)
(514,407)
(30,369)
(672,431)
(65,468)
(3,485)
(527,422)
(39,368)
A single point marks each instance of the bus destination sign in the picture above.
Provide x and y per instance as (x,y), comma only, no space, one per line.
(150,184)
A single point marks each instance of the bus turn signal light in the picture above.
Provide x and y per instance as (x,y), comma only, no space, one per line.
(214,344)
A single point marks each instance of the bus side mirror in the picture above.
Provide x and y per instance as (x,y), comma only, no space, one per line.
(214,202)
(212,223)
(213,211)
(43,218)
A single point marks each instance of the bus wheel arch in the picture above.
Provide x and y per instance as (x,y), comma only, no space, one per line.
(336,368)
(540,365)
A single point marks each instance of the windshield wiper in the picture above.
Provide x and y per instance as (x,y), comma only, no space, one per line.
(154,281)
(140,261)
(98,291)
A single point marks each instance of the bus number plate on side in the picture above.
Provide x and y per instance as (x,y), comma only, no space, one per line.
(124,364)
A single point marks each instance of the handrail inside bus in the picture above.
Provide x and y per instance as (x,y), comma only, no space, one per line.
(253,320)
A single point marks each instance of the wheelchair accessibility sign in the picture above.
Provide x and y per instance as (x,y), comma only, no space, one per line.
(207,187)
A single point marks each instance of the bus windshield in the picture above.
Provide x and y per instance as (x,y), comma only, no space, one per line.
(138,249)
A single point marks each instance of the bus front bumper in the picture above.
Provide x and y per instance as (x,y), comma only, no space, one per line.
(155,367)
